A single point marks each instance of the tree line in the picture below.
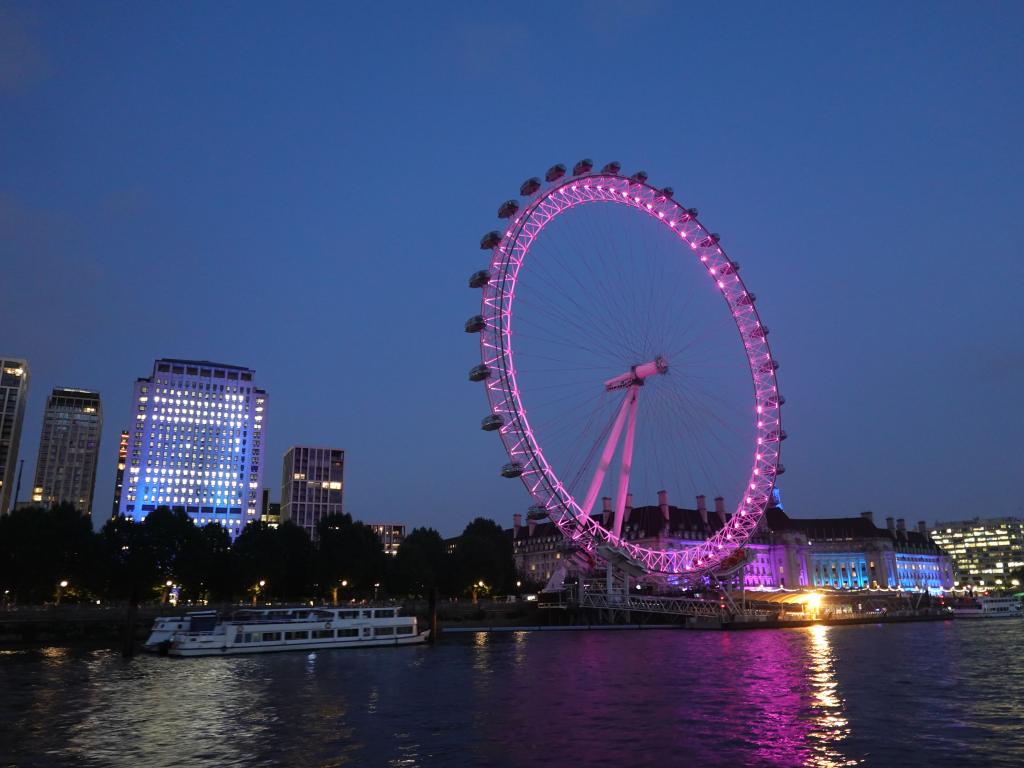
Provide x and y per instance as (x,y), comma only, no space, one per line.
(53,555)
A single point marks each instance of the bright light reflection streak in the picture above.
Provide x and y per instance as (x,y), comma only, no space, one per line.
(831,727)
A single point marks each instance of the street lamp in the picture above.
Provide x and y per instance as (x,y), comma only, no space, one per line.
(376,587)
(60,589)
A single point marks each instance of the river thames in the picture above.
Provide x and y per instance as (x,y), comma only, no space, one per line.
(933,694)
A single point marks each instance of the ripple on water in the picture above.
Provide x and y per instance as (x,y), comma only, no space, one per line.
(910,695)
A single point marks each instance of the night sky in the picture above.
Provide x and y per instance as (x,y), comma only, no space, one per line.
(301,188)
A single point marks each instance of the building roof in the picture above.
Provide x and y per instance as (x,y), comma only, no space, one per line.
(843,528)
(202,363)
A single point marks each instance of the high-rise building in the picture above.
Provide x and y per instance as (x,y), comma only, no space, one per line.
(984,551)
(311,485)
(69,447)
(13,391)
(270,511)
(122,459)
(391,535)
(197,444)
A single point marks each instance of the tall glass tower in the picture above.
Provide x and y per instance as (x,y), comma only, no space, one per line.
(13,391)
(69,448)
(197,443)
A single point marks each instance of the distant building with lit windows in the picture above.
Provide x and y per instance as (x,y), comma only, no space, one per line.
(13,392)
(391,536)
(122,458)
(984,551)
(197,444)
(270,511)
(784,552)
(312,485)
(69,449)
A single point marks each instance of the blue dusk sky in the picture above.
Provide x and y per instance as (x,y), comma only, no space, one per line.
(301,188)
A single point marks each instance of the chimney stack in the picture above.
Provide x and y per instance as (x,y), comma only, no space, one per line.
(532,526)
(517,523)
(890,523)
(720,509)
(901,524)
(606,503)
(922,528)
(663,504)
(702,509)
(869,515)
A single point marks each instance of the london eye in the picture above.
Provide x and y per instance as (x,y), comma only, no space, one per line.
(624,358)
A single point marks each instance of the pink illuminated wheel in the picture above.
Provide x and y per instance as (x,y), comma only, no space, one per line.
(608,339)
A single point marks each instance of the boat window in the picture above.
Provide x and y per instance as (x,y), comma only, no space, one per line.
(269,637)
(348,614)
(406,630)
(322,633)
(348,632)
(384,613)
(297,635)
(366,631)
(383,631)
(367,614)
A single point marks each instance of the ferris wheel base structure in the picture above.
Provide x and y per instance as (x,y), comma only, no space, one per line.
(598,540)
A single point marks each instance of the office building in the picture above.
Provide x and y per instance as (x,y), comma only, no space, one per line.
(312,484)
(69,447)
(197,444)
(270,511)
(391,536)
(122,458)
(13,392)
(984,551)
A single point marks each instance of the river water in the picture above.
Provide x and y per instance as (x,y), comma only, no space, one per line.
(933,694)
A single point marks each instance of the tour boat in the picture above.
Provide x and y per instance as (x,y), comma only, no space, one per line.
(259,630)
(989,608)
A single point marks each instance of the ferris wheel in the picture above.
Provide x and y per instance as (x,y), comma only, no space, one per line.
(609,355)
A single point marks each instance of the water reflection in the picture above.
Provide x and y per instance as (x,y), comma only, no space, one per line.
(813,697)
(829,722)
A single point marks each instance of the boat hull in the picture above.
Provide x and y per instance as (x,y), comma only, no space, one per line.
(331,645)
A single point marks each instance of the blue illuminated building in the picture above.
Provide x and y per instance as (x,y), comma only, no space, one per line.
(853,553)
(785,553)
(197,443)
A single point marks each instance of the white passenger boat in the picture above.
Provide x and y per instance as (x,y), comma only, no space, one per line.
(204,633)
(989,608)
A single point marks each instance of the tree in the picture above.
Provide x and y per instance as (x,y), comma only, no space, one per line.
(421,563)
(207,564)
(129,571)
(279,557)
(173,541)
(348,551)
(40,548)
(484,553)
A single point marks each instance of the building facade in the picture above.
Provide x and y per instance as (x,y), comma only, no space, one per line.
(122,458)
(391,536)
(312,485)
(270,511)
(784,553)
(984,551)
(197,444)
(13,393)
(69,448)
